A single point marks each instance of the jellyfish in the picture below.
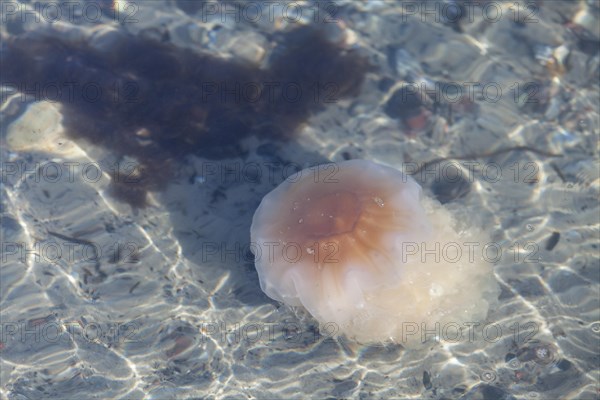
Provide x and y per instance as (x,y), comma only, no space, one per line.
(361,248)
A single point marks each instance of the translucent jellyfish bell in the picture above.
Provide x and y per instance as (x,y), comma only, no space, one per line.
(355,242)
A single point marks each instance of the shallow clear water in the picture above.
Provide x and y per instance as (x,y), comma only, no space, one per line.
(101,298)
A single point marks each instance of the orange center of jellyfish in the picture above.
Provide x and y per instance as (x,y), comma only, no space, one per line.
(339,224)
(330,215)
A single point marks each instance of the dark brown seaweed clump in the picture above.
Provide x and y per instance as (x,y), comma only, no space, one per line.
(156,103)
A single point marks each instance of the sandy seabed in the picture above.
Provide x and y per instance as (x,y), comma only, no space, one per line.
(102,299)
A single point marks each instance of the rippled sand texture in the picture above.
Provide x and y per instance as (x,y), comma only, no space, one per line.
(102,299)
